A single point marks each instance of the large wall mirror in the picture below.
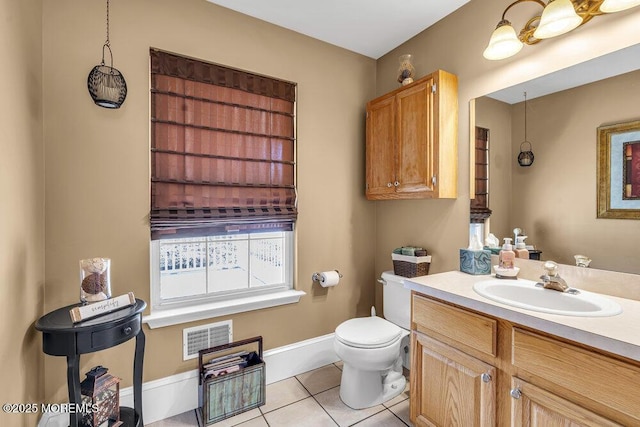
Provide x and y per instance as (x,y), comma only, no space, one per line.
(554,200)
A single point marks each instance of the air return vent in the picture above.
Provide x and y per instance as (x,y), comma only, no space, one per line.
(205,336)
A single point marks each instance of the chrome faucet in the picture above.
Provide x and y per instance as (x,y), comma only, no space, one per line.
(551,279)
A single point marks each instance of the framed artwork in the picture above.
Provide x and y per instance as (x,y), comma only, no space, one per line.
(618,171)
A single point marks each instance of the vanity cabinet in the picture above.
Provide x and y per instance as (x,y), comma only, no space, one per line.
(449,385)
(412,141)
(598,383)
(483,370)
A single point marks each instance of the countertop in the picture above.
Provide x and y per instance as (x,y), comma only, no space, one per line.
(618,334)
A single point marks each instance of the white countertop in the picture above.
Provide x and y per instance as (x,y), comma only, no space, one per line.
(618,334)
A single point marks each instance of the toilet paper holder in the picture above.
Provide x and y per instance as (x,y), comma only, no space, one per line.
(316,276)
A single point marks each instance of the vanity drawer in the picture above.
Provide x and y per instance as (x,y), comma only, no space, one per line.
(98,340)
(603,379)
(469,329)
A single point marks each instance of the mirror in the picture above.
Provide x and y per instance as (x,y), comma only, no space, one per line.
(554,200)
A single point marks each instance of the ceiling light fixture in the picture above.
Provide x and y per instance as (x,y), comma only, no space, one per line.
(557,17)
(106,84)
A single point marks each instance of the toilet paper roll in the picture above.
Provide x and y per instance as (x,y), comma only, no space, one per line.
(329,278)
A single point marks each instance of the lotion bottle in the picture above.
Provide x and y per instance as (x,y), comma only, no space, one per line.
(506,256)
(521,249)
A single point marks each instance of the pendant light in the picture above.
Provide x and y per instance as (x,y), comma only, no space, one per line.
(106,84)
(525,158)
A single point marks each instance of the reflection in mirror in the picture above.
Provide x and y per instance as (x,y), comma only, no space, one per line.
(554,200)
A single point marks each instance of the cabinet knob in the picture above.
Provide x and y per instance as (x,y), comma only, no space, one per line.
(516,393)
(485,378)
(127,330)
(389,184)
(396,183)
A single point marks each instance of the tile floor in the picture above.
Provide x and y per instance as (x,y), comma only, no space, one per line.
(310,399)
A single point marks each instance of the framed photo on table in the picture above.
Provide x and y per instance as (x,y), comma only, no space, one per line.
(618,171)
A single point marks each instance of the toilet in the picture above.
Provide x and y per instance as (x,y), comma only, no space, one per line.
(373,350)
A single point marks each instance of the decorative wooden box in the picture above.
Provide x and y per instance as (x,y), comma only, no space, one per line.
(230,384)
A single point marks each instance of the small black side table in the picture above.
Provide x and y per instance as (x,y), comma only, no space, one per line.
(62,337)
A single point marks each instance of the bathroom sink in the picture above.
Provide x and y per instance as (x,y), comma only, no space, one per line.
(526,294)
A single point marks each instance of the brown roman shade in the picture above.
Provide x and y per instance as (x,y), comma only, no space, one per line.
(480,204)
(222,149)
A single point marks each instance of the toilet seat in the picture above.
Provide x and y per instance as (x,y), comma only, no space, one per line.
(368,332)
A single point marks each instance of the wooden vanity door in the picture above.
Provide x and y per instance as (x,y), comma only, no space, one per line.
(449,387)
(535,407)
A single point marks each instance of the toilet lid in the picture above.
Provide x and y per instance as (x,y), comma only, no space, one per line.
(368,332)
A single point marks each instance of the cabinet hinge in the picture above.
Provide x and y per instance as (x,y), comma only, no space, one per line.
(433,88)
(434,180)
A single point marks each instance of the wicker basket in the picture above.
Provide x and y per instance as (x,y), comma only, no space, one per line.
(410,266)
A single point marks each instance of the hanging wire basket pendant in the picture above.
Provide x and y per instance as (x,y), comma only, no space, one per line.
(106,84)
(525,158)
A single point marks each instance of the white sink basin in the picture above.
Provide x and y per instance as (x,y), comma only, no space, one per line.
(525,294)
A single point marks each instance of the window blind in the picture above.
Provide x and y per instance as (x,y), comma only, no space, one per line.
(222,149)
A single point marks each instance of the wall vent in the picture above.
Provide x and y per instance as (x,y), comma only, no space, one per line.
(205,336)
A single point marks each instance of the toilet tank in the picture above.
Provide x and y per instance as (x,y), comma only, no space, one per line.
(396,300)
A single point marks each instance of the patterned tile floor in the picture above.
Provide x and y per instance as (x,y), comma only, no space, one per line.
(310,399)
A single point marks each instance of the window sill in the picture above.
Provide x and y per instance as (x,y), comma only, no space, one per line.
(175,316)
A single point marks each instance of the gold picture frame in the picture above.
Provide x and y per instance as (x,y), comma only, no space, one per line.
(618,184)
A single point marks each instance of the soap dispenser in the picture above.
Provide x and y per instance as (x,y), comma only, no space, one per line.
(521,249)
(506,256)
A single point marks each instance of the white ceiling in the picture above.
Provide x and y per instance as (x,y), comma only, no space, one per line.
(368,27)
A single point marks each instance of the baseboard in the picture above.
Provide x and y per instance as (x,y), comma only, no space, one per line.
(293,359)
(169,396)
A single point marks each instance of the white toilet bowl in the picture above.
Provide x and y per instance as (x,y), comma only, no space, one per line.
(370,348)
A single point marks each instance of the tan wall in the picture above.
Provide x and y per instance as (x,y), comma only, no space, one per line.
(554,200)
(97,174)
(455,44)
(22,217)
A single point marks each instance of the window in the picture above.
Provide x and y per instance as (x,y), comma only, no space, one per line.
(222,267)
(223,195)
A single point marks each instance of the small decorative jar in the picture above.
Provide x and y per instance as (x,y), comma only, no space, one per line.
(582,260)
(406,70)
(95,280)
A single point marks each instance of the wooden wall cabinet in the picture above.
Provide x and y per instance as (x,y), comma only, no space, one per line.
(412,140)
(471,369)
